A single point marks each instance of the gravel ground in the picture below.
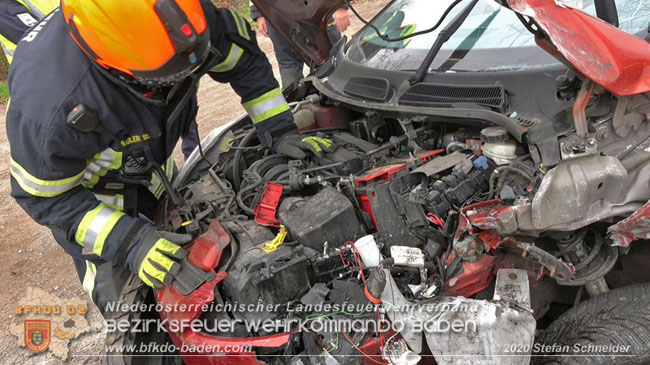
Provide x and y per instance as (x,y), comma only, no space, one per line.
(33,259)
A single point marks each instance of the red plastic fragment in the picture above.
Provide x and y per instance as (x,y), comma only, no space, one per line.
(474,277)
(266,209)
(200,348)
(428,155)
(382,173)
(435,220)
(206,251)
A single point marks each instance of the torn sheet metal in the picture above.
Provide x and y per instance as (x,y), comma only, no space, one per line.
(632,228)
(500,331)
(468,331)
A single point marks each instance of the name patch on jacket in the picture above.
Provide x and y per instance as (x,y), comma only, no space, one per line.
(135,139)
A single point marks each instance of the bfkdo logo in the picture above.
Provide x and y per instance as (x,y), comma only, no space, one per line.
(37,334)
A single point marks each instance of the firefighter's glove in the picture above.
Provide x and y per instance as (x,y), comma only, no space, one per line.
(296,145)
(158,258)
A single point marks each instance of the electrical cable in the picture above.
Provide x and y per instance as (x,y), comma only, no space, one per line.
(334,346)
(360,351)
(238,154)
(196,129)
(315,316)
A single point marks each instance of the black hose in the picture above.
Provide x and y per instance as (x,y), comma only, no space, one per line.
(508,170)
(236,178)
(240,201)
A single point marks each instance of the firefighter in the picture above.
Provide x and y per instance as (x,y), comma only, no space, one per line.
(101,92)
(16,16)
(289,62)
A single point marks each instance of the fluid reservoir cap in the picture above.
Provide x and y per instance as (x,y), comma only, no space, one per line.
(494,135)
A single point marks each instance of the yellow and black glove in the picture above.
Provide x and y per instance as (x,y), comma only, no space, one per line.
(159,257)
(295,145)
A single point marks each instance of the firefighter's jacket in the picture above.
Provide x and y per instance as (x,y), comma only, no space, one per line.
(17,16)
(69,180)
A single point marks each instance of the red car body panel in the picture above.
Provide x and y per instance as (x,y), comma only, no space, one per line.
(615,60)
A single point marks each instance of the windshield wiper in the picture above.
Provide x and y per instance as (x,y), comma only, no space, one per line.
(467,44)
(442,37)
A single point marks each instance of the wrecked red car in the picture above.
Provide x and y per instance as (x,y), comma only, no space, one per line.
(487,197)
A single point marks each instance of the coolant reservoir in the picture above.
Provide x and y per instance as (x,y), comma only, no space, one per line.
(497,145)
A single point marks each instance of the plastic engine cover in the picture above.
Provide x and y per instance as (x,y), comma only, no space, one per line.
(260,277)
(327,216)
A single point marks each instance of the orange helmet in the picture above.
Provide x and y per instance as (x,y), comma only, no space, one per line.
(159,40)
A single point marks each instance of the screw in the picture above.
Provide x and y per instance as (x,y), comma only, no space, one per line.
(591,142)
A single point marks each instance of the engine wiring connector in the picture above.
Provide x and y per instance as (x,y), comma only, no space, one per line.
(273,245)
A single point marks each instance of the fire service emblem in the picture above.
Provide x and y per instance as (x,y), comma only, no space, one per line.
(37,334)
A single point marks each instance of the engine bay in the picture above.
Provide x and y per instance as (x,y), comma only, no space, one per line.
(415,209)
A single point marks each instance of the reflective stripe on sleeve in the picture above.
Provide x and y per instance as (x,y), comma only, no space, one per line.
(8,47)
(266,106)
(112,201)
(43,188)
(231,61)
(241,25)
(101,163)
(95,227)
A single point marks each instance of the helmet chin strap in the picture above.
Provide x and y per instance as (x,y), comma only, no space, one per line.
(143,85)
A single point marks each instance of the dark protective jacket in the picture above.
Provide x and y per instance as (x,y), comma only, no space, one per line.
(17,16)
(70,180)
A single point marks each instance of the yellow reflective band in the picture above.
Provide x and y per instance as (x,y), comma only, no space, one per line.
(95,227)
(113,201)
(42,188)
(101,163)
(241,26)
(157,188)
(8,47)
(169,168)
(266,106)
(40,8)
(89,279)
(231,61)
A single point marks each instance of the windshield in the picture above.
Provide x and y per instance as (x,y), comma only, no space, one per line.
(490,39)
